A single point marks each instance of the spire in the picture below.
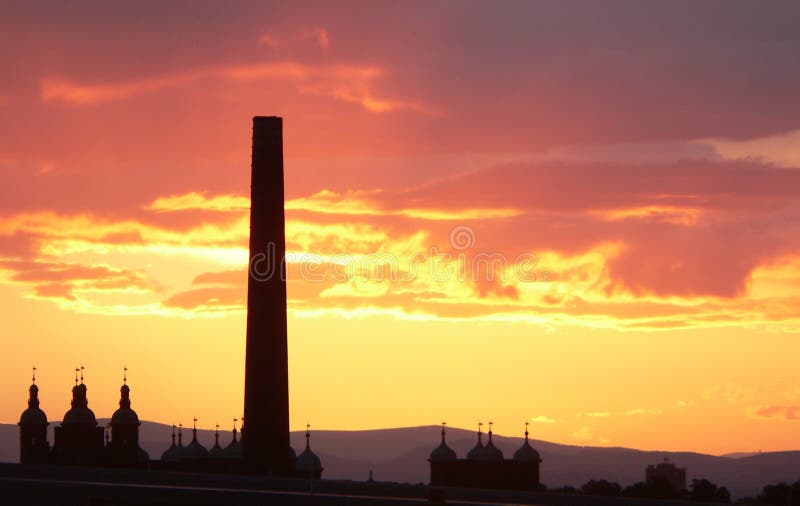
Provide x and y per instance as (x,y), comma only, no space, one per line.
(125,396)
(173,436)
(234,449)
(491,452)
(33,415)
(308,460)
(33,391)
(443,452)
(79,399)
(125,415)
(180,434)
(526,451)
(216,450)
(194,449)
(477,452)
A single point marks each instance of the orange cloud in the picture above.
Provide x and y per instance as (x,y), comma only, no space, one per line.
(195,201)
(667,214)
(370,204)
(72,282)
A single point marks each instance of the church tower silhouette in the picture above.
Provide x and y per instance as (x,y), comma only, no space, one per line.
(33,445)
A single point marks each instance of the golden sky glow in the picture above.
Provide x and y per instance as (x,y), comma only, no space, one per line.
(470,236)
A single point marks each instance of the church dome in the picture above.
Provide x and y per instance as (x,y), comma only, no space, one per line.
(79,414)
(491,452)
(526,451)
(33,415)
(443,452)
(308,460)
(216,451)
(194,450)
(175,452)
(234,449)
(477,452)
(125,415)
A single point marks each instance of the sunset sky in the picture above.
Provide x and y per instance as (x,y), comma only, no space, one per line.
(631,170)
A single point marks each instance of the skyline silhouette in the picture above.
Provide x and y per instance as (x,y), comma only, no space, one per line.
(583,218)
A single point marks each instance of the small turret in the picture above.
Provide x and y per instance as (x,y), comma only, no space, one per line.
(308,462)
(491,452)
(477,452)
(125,424)
(33,445)
(194,450)
(216,450)
(79,413)
(169,453)
(526,451)
(234,448)
(443,452)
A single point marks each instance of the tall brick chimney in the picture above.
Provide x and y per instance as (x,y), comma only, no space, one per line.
(266,389)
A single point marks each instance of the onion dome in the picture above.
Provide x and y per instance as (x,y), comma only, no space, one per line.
(234,448)
(443,452)
(125,415)
(170,455)
(477,453)
(491,452)
(79,414)
(216,450)
(526,451)
(308,460)
(194,449)
(33,415)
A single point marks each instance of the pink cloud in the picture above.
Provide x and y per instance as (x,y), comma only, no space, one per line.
(348,83)
(784,412)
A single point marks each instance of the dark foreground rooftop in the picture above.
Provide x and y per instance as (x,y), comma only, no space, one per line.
(77,486)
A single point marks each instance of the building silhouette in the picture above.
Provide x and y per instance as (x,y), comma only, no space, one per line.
(307,463)
(263,447)
(668,473)
(124,449)
(79,440)
(485,466)
(33,445)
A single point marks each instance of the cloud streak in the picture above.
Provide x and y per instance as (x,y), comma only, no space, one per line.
(344,82)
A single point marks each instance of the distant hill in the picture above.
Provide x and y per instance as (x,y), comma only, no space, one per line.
(401,455)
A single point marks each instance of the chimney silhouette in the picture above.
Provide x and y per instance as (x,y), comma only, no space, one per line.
(265,435)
